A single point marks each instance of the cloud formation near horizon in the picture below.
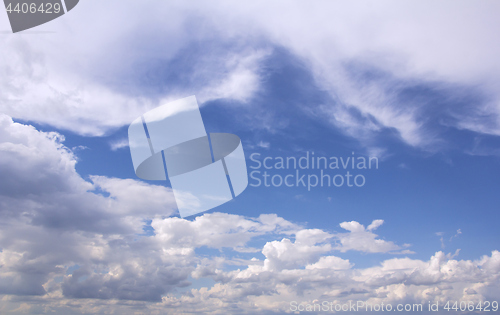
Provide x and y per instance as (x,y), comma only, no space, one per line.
(66,239)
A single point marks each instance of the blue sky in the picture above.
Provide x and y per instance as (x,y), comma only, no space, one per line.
(82,234)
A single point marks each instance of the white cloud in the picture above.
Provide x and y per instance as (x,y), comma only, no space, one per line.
(101,251)
(287,255)
(242,79)
(398,50)
(119,144)
(332,263)
(400,280)
(265,145)
(79,80)
(251,290)
(217,230)
(94,88)
(45,202)
(362,239)
(375,224)
(132,197)
(32,158)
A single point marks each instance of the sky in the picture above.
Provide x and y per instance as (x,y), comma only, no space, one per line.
(414,85)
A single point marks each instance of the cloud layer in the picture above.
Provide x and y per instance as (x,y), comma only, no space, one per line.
(72,246)
(374,62)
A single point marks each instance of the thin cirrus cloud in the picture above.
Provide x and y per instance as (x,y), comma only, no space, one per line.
(42,83)
(371,68)
(118,144)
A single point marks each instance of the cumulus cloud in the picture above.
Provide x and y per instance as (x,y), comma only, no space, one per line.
(77,240)
(256,290)
(41,186)
(73,268)
(52,218)
(83,239)
(331,262)
(103,254)
(362,239)
(400,280)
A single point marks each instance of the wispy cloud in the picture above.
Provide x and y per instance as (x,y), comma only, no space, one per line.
(369,77)
(119,144)
(265,145)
